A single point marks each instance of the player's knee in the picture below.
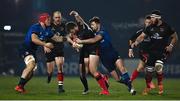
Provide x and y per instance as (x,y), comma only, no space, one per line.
(93,72)
(28,59)
(31,65)
(59,63)
(86,61)
(30,62)
(159,66)
(140,68)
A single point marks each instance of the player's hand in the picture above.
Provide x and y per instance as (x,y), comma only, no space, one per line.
(78,41)
(169,48)
(77,46)
(47,50)
(73,13)
(134,44)
(131,53)
(49,45)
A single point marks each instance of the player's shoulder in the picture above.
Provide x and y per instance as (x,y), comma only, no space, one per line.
(164,24)
(35,26)
(148,28)
(139,31)
(102,30)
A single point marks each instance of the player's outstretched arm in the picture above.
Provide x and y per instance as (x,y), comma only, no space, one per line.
(77,17)
(139,39)
(90,40)
(37,41)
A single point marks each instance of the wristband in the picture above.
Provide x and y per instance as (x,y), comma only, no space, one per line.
(171,45)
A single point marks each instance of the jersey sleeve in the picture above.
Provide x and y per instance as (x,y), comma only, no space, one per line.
(134,36)
(51,34)
(101,33)
(35,29)
(146,30)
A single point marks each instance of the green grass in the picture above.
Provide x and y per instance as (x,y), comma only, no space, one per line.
(38,89)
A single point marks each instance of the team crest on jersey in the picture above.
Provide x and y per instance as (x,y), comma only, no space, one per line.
(52,29)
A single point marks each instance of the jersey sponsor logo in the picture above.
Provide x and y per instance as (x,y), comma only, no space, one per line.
(156,36)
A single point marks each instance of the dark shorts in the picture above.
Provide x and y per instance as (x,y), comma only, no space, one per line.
(109,59)
(82,55)
(154,56)
(57,51)
(88,50)
(25,51)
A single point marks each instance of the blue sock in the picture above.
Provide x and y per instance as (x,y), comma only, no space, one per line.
(125,77)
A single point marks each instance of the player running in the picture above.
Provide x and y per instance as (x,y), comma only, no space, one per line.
(163,39)
(109,57)
(35,37)
(91,51)
(143,51)
(56,55)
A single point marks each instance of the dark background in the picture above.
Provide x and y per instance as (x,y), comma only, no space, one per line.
(121,18)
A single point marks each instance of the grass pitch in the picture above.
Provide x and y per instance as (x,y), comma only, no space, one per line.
(38,89)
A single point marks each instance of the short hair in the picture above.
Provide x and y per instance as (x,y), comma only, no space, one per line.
(70,25)
(157,12)
(95,19)
(58,12)
(148,17)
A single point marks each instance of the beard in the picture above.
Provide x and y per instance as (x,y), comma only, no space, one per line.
(57,22)
(155,22)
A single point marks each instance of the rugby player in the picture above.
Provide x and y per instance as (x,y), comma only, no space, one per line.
(90,52)
(36,36)
(56,55)
(163,39)
(108,55)
(143,51)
